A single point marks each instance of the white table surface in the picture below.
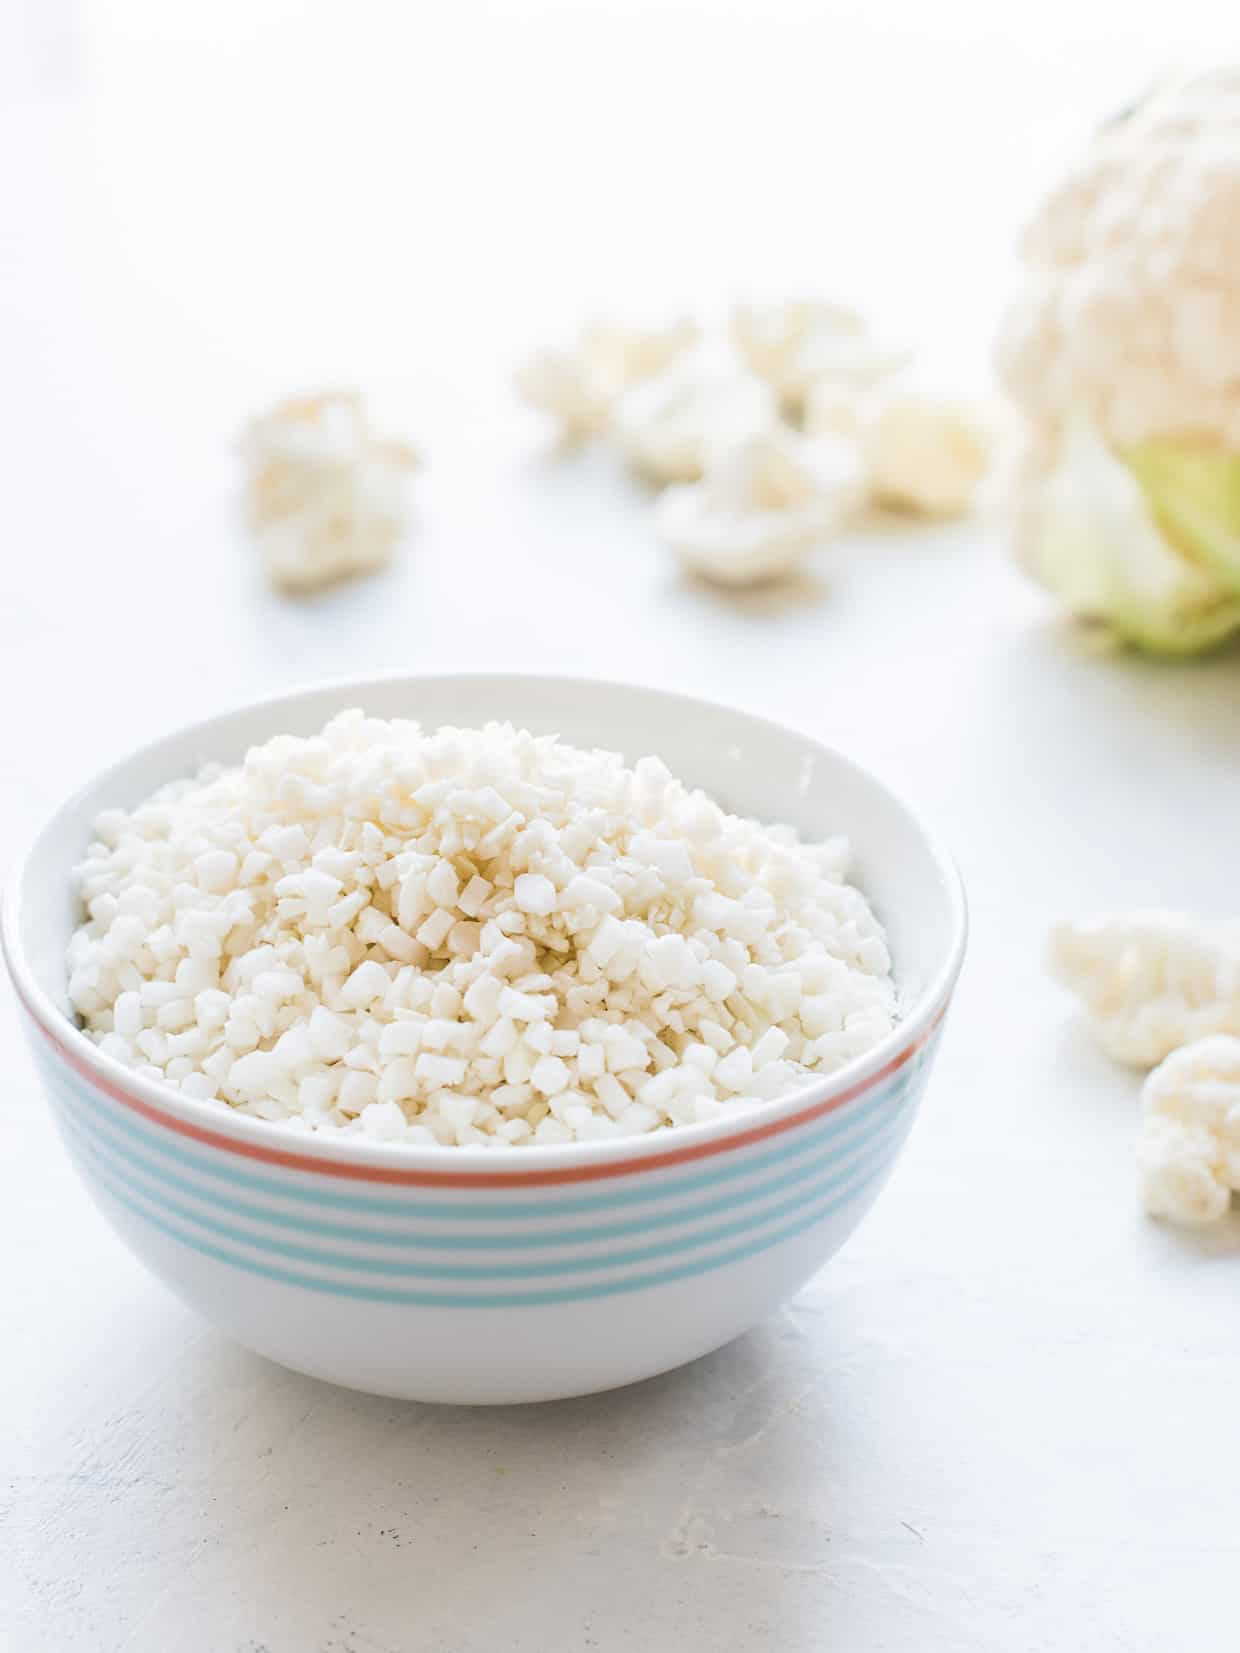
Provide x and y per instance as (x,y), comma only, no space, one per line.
(1004,1418)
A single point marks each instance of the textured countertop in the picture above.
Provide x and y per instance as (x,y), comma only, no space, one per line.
(1002,1420)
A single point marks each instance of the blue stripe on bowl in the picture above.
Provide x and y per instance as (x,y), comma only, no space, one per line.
(505,1299)
(304,1187)
(856,1169)
(855,1146)
(115,1133)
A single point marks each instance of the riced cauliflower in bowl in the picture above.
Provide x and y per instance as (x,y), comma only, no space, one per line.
(498,1001)
(469,936)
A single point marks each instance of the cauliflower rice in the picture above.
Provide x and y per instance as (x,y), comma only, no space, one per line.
(469,937)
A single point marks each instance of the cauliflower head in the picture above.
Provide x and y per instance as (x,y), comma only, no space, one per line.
(1122,353)
(1151,982)
(1189,1152)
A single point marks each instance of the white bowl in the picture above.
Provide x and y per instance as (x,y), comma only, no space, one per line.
(467,1274)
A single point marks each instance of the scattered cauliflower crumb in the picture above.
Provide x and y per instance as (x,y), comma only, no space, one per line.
(924,453)
(667,426)
(325,497)
(762,507)
(1151,982)
(580,386)
(1189,1154)
(799,344)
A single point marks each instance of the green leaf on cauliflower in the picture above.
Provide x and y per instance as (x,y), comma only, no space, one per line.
(1091,536)
(1195,497)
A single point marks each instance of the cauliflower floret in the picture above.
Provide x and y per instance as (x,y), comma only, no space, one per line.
(325,497)
(579,387)
(799,344)
(763,506)
(924,453)
(1189,1153)
(558,382)
(666,426)
(1151,982)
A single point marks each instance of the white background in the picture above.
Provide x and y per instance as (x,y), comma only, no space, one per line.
(1004,1418)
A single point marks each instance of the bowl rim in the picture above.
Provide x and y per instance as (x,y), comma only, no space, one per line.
(473,1165)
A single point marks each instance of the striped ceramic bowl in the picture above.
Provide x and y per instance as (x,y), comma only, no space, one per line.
(464,1274)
